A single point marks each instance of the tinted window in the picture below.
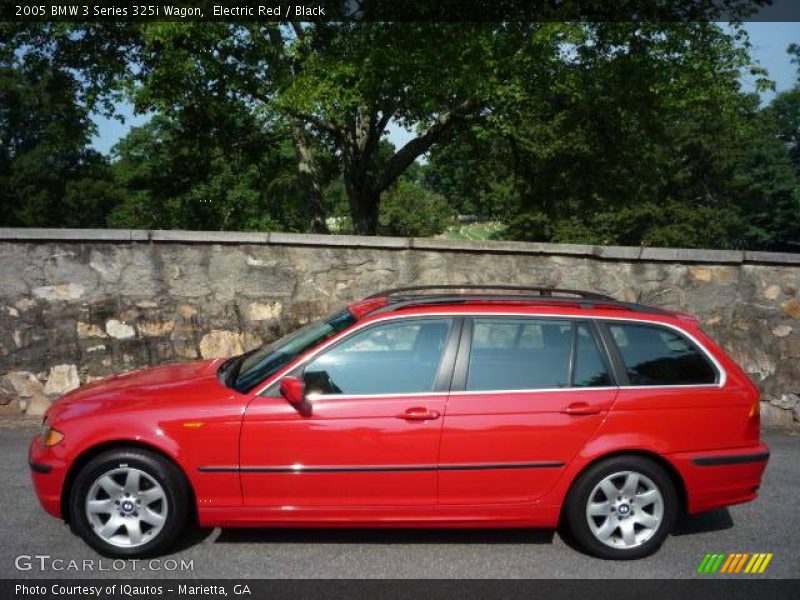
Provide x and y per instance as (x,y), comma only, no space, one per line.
(394,358)
(519,354)
(659,356)
(590,369)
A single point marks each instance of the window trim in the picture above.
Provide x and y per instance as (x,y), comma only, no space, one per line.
(598,320)
(619,363)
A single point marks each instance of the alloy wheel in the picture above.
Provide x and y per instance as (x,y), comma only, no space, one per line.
(126,507)
(625,509)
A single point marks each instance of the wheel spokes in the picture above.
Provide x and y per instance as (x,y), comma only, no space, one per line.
(628,532)
(152,495)
(646,520)
(605,531)
(631,484)
(134,530)
(151,518)
(124,514)
(111,527)
(609,489)
(647,497)
(599,509)
(101,507)
(132,481)
(110,487)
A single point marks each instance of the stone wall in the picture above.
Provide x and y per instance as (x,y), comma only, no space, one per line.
(77,305)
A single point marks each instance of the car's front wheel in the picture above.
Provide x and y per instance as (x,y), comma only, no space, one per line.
(622,508)
(129,502)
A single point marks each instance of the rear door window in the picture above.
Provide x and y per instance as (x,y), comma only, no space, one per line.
(529,354)
(655,355)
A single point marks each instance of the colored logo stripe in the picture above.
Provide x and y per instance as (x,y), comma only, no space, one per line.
(734,563)
(710,563)
(726,567)
(758,563)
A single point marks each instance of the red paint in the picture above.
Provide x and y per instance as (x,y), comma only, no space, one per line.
(397,461)
(366,306)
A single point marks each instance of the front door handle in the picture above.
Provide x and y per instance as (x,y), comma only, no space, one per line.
(418,413)
(581,408)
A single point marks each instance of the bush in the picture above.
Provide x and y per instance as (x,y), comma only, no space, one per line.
(410,210)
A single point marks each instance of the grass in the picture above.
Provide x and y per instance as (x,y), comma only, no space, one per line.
(488,230)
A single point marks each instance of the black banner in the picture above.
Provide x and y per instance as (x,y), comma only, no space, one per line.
(119,589)
(398,11)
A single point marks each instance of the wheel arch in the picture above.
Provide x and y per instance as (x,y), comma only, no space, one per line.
(89,453)
(669,469)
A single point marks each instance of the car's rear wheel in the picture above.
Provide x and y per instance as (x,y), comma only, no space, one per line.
(129,503)
(622,508)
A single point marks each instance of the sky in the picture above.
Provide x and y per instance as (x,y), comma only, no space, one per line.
(769,40)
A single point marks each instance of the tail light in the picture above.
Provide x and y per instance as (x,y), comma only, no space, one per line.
(753,428)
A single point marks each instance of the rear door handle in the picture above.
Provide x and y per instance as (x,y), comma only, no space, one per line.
(418,413)
(581,408)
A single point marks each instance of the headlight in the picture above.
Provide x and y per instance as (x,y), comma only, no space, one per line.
(49,436)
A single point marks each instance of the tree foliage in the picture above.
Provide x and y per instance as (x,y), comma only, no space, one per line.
(212,176)
(611,132)
(48,174)
(646,139)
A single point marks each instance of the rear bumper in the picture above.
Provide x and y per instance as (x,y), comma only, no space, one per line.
(48,473)
(721,477)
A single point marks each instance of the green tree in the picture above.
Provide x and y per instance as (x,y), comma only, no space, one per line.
(337,87)
(334,87)
(580,119)
(410,210)
(646,138)
(206,175)
(48,175)
(783,113)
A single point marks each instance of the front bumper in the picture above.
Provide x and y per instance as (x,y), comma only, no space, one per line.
(721,477)
(48,473)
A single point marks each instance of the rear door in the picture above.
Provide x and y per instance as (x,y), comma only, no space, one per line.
(528,393)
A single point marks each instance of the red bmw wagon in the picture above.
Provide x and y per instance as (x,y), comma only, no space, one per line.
(434,406)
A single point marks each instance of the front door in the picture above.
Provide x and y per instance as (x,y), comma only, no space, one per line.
(528,394)
(372,438)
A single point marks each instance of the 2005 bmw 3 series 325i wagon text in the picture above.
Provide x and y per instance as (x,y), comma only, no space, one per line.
(418,407)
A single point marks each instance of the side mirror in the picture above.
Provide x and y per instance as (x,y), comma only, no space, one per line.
(294,391)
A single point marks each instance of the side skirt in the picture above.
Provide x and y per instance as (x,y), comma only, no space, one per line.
(443,516)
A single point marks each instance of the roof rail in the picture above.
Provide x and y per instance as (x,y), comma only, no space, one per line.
(541,291)
(403,297)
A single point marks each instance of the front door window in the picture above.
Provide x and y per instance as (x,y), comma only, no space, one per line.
(394,358)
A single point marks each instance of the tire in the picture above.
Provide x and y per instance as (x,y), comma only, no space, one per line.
(129,503)
(616,528)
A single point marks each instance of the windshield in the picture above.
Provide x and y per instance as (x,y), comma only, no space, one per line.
(244,372)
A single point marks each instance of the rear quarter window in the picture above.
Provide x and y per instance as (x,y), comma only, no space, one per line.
(654,355)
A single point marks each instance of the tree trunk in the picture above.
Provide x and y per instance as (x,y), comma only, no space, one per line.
(364,182)
(364,207)
(309,181)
